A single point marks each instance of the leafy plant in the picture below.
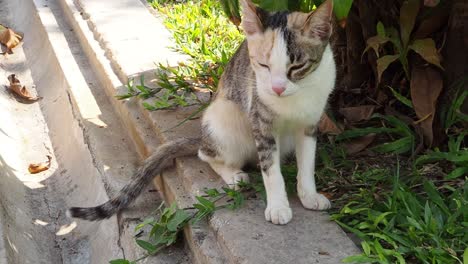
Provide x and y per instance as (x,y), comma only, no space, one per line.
(406,224)
(457,155)
(402,42)
(172,220)
(403,144)
(340,7)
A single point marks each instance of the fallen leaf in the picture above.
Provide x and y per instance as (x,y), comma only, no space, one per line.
(21,91)
(357,113)
(327,126)
(9,38)
(426,85)
(39,167)
(358,144)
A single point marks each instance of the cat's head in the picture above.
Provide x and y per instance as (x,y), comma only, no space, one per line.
(285,47)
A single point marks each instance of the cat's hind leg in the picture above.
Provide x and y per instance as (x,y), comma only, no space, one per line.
(227,142)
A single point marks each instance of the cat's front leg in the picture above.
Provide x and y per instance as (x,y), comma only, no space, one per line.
(306,144)
(278,210)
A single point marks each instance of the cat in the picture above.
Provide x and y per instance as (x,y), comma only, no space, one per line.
(269,101)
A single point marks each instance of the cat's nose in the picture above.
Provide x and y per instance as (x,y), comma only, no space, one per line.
(278,89)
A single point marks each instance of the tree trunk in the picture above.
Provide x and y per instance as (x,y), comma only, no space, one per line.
(455,54)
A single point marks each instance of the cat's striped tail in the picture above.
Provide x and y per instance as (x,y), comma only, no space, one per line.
(160,160)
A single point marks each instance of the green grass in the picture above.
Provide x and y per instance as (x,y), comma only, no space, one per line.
(195,26)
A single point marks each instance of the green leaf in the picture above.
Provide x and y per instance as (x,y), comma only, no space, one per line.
(274,5)
(359,132)
(465,256)
(212,192)
(146,245)
(414,223)
(374,43)
(119,261)
(179,217)
(146,222)
(408,12)
(399,146)
(435,196)
(384,62)
(341,8)
(458,172)
(358,259)
(206,203)
(427,50)
(381,29)
(401,98)
(366,248)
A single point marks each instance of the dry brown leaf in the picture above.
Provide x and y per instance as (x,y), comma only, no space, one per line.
(21,91)
(39,167)
(358,144)
(426,85)
(9,38)
(327,126)
(357,113)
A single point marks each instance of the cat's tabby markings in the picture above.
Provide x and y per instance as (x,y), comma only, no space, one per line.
(269,101)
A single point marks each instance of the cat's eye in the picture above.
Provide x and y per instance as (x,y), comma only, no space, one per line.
(302,67)
(264,65)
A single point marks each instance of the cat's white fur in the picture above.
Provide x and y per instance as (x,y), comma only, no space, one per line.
(301,105)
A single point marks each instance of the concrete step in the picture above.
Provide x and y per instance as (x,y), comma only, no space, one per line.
(115,36)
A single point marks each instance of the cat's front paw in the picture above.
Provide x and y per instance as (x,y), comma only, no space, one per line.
(280,215)
(315,201)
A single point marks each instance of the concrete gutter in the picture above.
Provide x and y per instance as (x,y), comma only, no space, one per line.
(118,40)
(75,123)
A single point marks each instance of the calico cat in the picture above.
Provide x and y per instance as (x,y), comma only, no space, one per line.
(268,104)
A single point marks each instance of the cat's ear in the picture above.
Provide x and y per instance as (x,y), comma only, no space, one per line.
(251,23)
(318,23)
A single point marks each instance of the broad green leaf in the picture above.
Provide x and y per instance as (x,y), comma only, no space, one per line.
(458,172)
(374,43)
(179,217)
(358,259)
(465,256)
(146,245)
(359,132)
(212,192)
(119,261)
(414,223)
(427,49)
(381,217)
(435,197)
(206,203)
(141,225)
(274,5)
(401,98)
(366,248)
(408,12)
(383,63)
(399,146)
(381,29)
(341,8)
(394,36)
